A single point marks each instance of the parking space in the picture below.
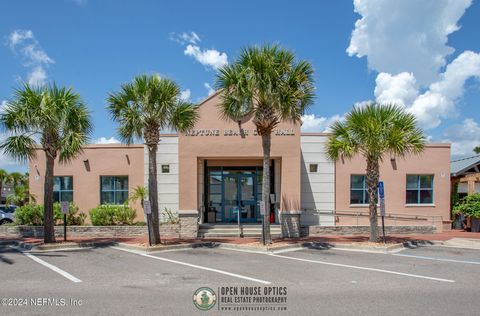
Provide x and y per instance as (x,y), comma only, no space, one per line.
(332,281)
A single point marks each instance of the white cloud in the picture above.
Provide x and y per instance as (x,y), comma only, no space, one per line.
(184,38)
(104,140)
(439,100)
(399,89)
(463,137)
(406,35)
(37,76)
(185,95)
(209,88)
(36,56)
(18,36)
(33,56)
(209,57)
(313,123)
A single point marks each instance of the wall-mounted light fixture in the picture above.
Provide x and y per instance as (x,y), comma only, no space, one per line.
(393,161)
(87,165)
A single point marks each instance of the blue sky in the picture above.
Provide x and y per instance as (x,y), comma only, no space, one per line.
(423,54)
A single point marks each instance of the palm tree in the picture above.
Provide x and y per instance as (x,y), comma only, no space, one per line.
(20,196)
(17,178)
(53,119)
(4,179)
(143,108)
(375,131)
(269,84)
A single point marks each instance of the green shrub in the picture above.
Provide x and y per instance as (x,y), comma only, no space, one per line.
(32,215)
(107,215)
(469,205)
(29,214)
(125,215)
(171,217)
(73,217)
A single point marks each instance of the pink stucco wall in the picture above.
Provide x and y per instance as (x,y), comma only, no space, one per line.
(104,160)
(435,160)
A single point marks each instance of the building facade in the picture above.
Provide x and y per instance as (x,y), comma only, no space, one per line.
(213,174)
(102,174)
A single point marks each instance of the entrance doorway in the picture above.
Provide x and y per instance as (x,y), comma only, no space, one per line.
(239,196)
(231,192)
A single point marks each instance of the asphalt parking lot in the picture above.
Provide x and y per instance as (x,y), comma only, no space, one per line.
(427,280)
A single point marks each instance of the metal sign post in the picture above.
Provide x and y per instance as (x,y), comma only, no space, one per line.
(381,193)
(240,231)
(64,208)
(147,209)
(262,215)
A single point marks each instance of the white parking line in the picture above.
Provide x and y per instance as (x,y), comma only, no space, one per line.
(193,266)
(51,267)
(365,268)
(436,258)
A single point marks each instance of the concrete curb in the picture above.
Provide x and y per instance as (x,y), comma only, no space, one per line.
(164,247)
(245,247)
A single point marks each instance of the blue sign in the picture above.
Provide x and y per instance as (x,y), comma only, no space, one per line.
(381,191)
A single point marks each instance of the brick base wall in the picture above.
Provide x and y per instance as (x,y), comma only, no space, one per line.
(188,225)
(290,225)
(166,230)
(357,230)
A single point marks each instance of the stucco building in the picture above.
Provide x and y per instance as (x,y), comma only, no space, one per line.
(212,174)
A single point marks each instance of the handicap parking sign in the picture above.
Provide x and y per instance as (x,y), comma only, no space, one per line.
(381,191)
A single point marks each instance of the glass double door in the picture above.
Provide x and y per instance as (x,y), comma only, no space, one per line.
(240,197)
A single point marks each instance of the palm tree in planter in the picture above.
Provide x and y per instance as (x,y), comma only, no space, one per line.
(269,84)
(51,118)
(143,108)
(375,131)
(139,193)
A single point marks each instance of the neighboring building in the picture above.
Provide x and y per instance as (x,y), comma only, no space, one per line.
(465,175)
(215,169)
(7,189)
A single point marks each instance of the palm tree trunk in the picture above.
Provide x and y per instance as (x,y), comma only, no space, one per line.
(48,220)
(153,218)
(266,144)
(372,177)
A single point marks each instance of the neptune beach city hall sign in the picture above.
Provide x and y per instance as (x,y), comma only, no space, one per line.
(236,132)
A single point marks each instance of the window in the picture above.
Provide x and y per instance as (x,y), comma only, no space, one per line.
(63,189)
(313,167)
(419,189)
(165,168)
(358,190)
(113,189)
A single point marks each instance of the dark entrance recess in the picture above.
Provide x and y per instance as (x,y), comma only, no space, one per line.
(228,190)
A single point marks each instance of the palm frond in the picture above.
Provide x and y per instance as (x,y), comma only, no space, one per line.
(377,130)
(266,77)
